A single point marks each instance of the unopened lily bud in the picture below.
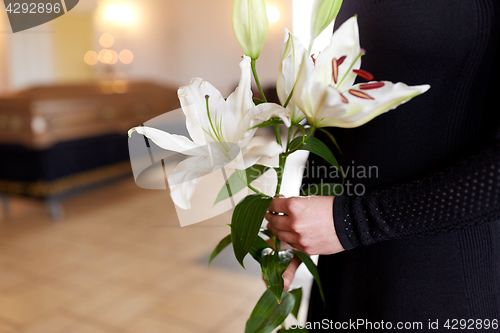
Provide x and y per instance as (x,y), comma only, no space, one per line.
(324,12)
(250,25)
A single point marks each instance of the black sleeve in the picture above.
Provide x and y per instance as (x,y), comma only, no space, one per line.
(463,195)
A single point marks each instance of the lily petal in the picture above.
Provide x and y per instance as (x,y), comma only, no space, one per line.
(239,103)
(325,102)
(344,42)
(193,103)
(258,115)
(253,154)
(301,86)
(173,142)
(265,111)
(360,110)
(187,174)
(241,99)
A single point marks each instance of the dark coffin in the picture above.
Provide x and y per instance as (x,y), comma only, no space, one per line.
(56,139)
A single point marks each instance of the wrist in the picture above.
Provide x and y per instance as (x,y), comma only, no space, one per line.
(342,223)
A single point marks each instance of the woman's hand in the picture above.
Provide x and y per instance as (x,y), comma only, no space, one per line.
(306,223)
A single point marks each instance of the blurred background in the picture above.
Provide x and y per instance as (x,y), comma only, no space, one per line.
(82,248)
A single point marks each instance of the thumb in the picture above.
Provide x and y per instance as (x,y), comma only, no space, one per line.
(289,274)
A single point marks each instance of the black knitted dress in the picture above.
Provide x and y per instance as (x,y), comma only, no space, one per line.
(423,239)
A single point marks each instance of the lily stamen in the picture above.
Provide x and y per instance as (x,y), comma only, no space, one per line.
(360,94)
(344,99)
(335,70)
(335,67)
(341,60)
(217,129)
(364,74)
(372,85)
(350,67)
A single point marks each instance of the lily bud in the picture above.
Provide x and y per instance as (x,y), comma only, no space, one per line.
(292,55)
(324,12)
(250,25)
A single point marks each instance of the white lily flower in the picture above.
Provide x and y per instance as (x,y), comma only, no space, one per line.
(326,93)
(220,129)
(292,55)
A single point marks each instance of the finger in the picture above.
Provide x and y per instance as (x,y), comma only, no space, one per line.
(286,246)
(289,274)
(278,221)
(291,238)
(284,236)
(279,205)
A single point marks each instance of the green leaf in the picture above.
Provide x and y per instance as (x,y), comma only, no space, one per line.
(257,101)
(317,147)
(257,247)
(272,122)
(273,267)
(326,189)
(267,314)
(268,233)
(311,266)
(239,180)
(245,223)
(297,294)
(331,138)
(221,246)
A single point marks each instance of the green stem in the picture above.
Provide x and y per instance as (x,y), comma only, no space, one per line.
(257,191)
(294,149)
(279,170)
(244,180)
(311,131)
(290,132)
(230,193)
(289,98)
(257,82)
(263,97)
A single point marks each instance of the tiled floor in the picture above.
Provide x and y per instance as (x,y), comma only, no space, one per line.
(117,262)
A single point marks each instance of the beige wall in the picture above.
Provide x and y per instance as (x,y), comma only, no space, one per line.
(172,41)
(31,59)
(73,38)
(4,74)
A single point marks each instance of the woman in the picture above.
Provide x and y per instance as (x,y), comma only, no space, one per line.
(421,244)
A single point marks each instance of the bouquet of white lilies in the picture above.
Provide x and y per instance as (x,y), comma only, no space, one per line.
(314,93)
